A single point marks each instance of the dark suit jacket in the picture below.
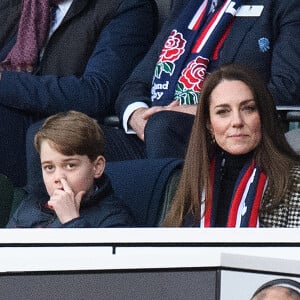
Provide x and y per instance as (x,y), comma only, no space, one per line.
(85,61)
(280,65)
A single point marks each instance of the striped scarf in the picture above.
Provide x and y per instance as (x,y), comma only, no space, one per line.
(194,41)
(246,199)
(32,35)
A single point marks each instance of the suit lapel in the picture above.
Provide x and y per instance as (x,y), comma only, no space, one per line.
(76,7)
(235,38)
(242,25)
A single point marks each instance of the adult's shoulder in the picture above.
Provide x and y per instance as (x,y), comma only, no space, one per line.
(10,4)
(116,7)
(285,9)
(294,185)
(124,3)
(10,11)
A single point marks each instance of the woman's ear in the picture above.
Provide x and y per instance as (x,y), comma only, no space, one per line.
(99,166)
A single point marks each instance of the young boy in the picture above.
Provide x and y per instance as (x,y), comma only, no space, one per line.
(71,145)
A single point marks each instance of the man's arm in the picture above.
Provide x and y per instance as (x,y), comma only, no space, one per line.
(121,44)
(138,86)
(136,92)
(285,71)
(139,117)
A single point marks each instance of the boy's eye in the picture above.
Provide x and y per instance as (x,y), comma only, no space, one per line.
(70,166)
(48,168)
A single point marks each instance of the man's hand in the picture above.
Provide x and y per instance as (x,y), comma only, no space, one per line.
(173,106)
(137,122)
(65,203)
(139,117)
(188,109)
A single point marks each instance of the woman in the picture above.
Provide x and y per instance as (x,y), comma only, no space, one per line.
(261,34)
(239,169)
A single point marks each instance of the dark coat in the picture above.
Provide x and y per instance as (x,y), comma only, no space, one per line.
(279,65)
(84,64)
(90,55)
(103,209)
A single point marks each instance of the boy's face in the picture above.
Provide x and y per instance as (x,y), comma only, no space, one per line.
(77,170)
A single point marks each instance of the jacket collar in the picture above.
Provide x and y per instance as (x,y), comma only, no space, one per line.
(103,189)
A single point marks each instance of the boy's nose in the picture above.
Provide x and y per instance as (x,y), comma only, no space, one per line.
(59,174)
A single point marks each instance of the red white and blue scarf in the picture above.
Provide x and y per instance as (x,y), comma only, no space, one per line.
(246,199)
(196,38)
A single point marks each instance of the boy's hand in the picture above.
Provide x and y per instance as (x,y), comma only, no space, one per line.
(65,203)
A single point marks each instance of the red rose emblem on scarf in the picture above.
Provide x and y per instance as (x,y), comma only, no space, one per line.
(194,74)
(173,48)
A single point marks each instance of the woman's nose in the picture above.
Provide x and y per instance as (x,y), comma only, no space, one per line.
(237,119)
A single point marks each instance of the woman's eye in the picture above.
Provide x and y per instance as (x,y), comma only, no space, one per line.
(222,111)
(250,108)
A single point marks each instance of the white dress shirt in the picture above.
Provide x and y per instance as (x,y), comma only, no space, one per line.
(62,10)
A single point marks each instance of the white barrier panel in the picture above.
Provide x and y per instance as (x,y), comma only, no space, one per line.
(219,264)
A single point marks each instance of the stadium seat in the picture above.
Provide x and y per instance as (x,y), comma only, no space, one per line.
(146,187)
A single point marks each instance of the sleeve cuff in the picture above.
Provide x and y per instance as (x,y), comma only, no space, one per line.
(128,112)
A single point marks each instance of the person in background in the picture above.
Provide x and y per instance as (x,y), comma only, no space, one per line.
(278,289)
(239,170)
(158,102)
(58,55)
(71,145)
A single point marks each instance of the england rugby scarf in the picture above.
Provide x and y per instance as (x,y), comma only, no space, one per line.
(196,38)
(32,35)
(246,199)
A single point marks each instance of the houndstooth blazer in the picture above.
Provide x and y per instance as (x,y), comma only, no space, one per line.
(287,214)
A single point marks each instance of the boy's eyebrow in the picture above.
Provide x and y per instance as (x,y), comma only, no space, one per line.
(64,160)
(71,158)
(46,162)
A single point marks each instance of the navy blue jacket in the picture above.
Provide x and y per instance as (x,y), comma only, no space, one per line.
(279,65)
(103,209)
(85,61)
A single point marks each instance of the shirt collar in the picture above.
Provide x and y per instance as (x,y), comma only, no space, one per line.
(64,6)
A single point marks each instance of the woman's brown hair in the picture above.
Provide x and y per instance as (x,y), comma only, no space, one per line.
(273,154)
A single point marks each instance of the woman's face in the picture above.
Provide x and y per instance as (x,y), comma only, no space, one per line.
(234,118)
